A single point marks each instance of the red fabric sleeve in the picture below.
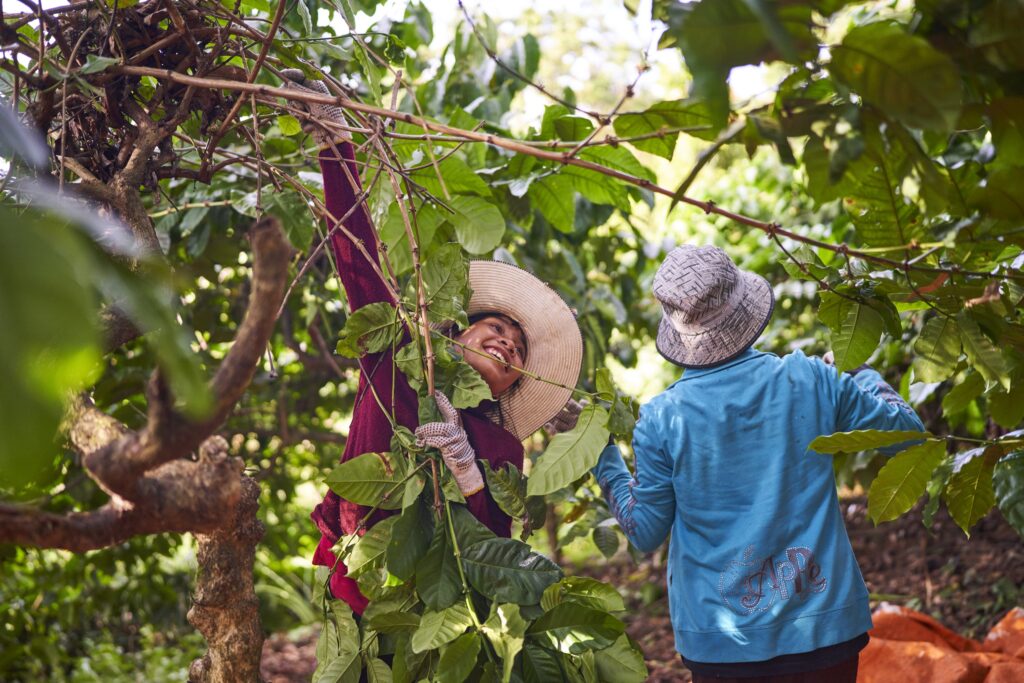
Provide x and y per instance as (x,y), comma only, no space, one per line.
(361,282)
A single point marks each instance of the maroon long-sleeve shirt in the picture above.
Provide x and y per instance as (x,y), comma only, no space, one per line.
(370,430)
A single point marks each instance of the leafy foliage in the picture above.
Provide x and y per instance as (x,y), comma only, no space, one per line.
(882,173)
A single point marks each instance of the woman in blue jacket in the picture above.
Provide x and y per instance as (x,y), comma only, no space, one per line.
(762,580)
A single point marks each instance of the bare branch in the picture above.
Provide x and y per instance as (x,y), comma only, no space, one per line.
(168,434)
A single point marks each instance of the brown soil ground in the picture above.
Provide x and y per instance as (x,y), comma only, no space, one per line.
(968,585)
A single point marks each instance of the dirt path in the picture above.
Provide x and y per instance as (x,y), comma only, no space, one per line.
(967,585)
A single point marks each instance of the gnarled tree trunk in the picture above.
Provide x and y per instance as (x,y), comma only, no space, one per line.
(225,609)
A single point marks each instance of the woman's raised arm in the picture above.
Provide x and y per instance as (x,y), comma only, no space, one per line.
(342,191)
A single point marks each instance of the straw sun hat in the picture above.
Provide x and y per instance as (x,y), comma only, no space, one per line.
(554,346)
(713,310)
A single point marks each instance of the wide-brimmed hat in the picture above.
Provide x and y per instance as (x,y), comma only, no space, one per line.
(554,345)
(713,310)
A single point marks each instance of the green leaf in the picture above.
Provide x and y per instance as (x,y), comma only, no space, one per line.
(392,233)
(370,548)
(553,197)
(508,488)
(960,396)
(573,128)
(621,662)
(478,224)
(969,495)
(307,21)
(902,480)
(439,628)
(508,571)
(570,454)
(1008,486)
(616,158)
(858,337)
(875,202)
(817,164)
(937,349)
(716,36)
(901,74)
(574,628)
(996,30)
(410,540)
(607,540)
(505,629)
(365,480)
(834,308)
(1007,408)
(468,529)
(585,591)
(95,64)
(446,281)
(437,575)
(458,658)
(665,116)
(862,440)
(393,622)
(288,124)
(467,388)
(459,178)
(294,214)
(936,485)
(48,337)
(377,671)
(370,329)
(983,355)
(540,665)
(999,196)
(337,650)
(1007,116)
(804,264)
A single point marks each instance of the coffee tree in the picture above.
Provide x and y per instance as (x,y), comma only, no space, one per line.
(145,138)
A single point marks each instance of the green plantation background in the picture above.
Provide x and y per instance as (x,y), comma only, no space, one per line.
(865,157)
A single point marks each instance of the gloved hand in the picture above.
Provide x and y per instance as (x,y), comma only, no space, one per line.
(566,418)
(450,438)
(325,136)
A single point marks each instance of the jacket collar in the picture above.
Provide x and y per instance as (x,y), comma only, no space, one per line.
(749,354)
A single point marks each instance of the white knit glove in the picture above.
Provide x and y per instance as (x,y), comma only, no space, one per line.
(566,418)
(325,135)
(450,438)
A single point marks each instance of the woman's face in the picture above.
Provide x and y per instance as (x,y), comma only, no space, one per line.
(489,339)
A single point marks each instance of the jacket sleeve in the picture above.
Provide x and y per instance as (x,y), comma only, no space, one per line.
(342,190)
(644,505)
(865,401)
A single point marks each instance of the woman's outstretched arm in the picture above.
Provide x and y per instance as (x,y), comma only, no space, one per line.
(342,192)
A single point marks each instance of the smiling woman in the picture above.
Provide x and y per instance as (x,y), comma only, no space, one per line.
(522,339)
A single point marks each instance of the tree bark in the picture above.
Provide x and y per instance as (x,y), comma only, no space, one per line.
(225,609)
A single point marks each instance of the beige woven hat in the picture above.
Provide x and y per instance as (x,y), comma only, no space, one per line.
(713,310)
(554,344)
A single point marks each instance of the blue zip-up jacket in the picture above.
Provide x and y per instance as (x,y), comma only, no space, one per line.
(759,562)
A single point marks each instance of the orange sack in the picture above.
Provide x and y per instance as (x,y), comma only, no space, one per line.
(911,647)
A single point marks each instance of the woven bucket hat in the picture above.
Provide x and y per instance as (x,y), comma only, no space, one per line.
(553,340)
(712,310)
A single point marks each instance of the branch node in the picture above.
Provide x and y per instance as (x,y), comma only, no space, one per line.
(709,206)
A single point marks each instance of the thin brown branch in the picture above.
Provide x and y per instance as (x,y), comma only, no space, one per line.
(560,158)
(251,78)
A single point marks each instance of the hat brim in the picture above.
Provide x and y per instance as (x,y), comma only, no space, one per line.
(728,337)
(554,344)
